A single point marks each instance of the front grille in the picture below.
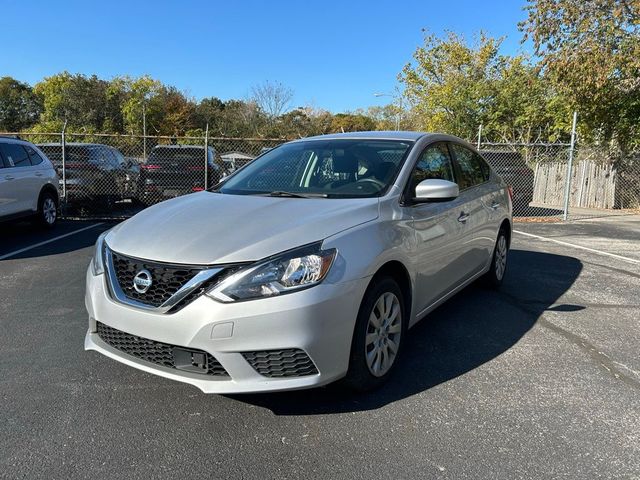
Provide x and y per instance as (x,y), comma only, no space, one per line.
(151,351)
(291,362)
(167,278)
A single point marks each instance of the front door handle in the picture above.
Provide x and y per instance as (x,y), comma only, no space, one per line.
(9,177)
(463,217)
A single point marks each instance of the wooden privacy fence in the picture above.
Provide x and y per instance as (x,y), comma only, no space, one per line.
(593,185)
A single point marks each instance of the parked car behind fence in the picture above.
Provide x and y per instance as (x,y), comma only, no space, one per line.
(95,175)
(174,170)
(513,169)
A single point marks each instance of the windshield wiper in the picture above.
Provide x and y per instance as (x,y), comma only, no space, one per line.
(282,193)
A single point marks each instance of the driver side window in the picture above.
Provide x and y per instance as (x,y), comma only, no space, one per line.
(435,162)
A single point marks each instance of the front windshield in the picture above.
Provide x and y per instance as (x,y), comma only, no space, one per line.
(324,168)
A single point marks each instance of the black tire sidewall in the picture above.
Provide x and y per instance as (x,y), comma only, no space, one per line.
(358,376)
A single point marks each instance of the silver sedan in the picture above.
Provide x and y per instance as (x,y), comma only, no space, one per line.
(306,266)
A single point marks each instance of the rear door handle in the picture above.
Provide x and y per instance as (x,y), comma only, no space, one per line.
(38,174)
(9,177)
(495,205)
(463,217)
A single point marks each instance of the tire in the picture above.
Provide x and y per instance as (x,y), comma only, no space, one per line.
(369,343)
(47,215)
(495,276)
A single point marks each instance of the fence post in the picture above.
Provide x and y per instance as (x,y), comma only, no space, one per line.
(63,141)
(479,136)
(144,132)
(206,156)
(567,187)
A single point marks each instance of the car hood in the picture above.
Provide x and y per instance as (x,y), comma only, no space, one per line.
(211,228)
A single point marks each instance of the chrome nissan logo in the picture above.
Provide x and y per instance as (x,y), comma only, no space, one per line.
(142,281)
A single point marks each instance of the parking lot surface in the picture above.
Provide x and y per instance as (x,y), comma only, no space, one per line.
(538,380)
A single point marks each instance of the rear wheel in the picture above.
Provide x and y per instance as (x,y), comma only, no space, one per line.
(378,336)
(47,210)
(495,275)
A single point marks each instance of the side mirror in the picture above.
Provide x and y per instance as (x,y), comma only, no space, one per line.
(436,190)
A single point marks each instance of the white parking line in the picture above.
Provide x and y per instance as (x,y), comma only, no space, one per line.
(567,244)
(36,245)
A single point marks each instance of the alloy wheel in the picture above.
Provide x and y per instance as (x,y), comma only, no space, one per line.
(501,257)
(383,334)
(49,211)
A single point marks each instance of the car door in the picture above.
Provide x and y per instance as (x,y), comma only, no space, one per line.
(478,196)
(21,185)
(7,199)
(440,263)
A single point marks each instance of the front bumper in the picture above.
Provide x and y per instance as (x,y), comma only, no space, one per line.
(319,321)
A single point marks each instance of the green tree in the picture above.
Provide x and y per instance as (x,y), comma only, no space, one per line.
(142,101)
(19,107)
(351,122)
(210,111)
(455,87)
(590,50)
(525,107)
(449,84)
(78,99)
(179,112)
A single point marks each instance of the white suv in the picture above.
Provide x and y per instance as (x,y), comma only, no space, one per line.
(28,183)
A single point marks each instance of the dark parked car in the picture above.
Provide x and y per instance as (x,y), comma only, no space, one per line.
(174,170)
(513,169)
(95,175)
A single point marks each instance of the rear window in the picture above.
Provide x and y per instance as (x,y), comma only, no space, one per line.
(176,155)
(35,157)
(74,153)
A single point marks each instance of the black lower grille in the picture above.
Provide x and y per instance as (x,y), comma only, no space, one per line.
(291,362)
(167,279)
(152,351)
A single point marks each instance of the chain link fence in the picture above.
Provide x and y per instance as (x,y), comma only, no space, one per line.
(115,176)
(552,182)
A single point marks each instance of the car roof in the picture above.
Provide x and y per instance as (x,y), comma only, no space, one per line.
(180,145)
(13,139)
(74,144)
(378,135)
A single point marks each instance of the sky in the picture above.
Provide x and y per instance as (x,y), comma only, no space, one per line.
(334,54)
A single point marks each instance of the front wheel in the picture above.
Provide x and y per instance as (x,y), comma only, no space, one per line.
(378,337)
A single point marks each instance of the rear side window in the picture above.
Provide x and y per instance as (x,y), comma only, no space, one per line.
(178,156)
(14,155)
(121,162)
(473,169)
(35,157)
(434,162)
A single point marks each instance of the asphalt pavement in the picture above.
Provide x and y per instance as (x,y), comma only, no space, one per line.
(538,380)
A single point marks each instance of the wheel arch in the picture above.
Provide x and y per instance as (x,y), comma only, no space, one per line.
(397,270)
(48,188)
(506,226)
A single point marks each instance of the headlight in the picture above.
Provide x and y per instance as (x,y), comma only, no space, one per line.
(291,271)
(97,262)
